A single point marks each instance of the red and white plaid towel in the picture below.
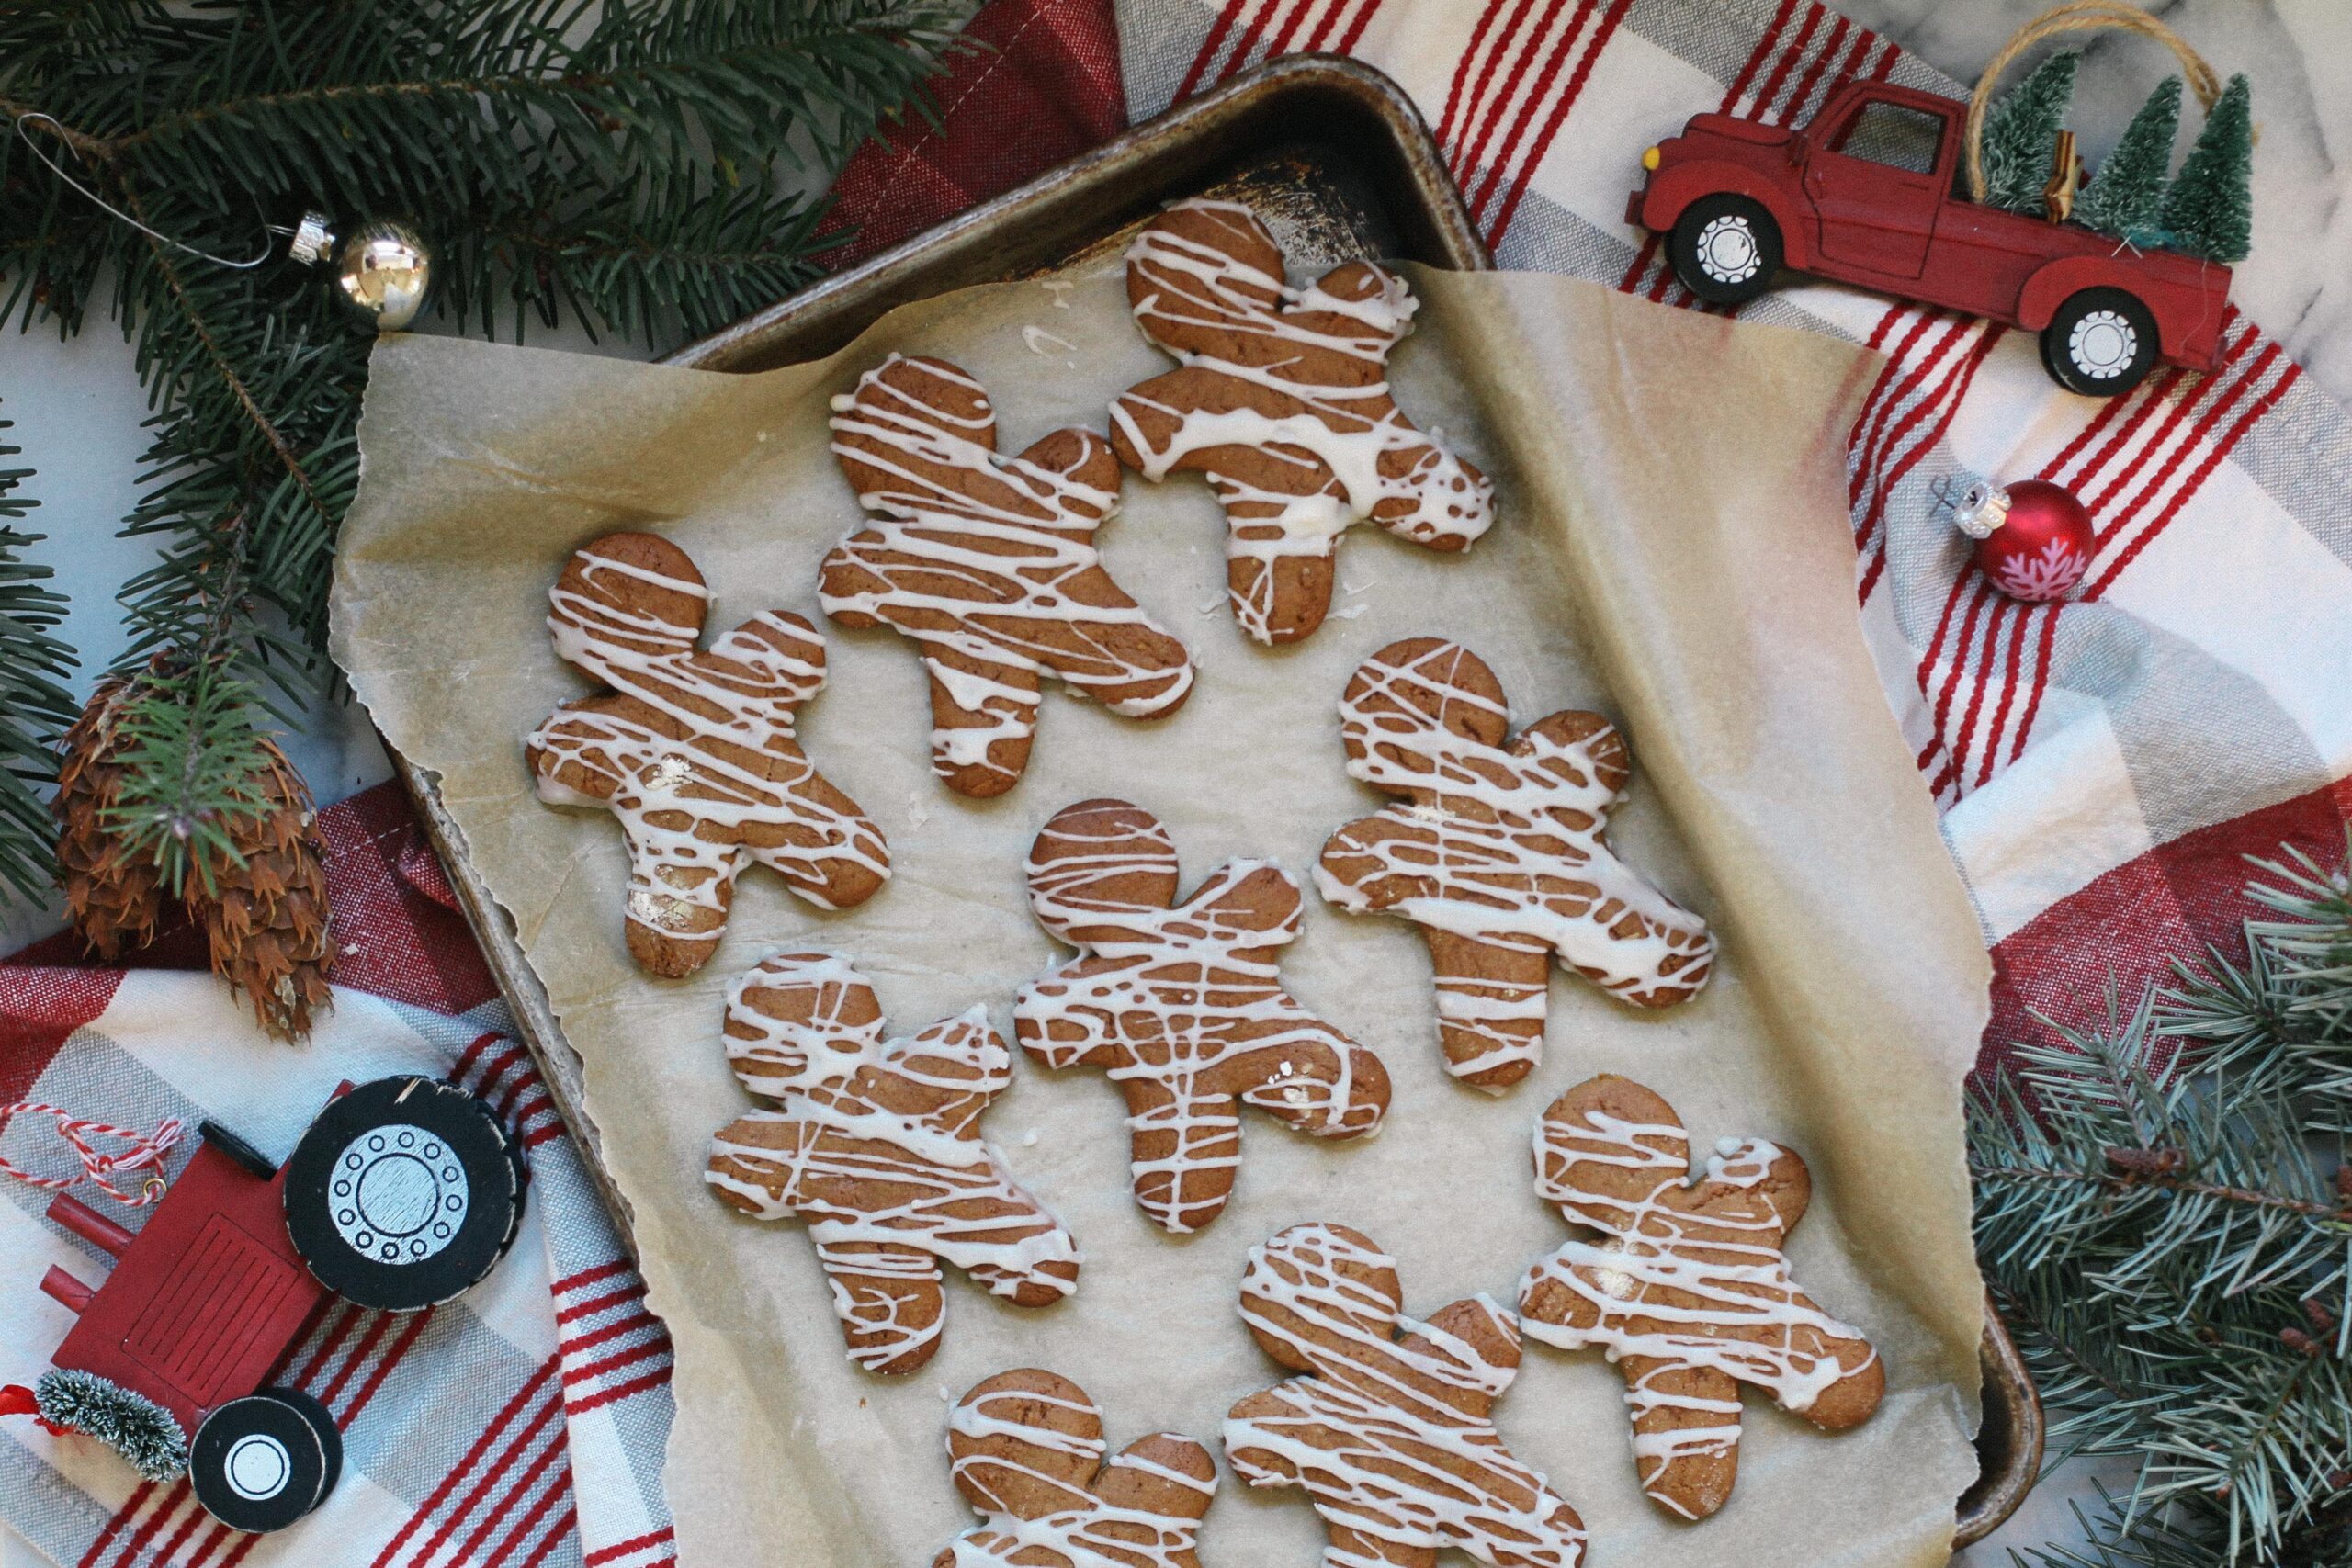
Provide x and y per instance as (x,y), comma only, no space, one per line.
(521,1425)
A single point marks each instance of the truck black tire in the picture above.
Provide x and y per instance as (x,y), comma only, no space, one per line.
(1725,249)
(404,1193)
(261,1462)
(2102,343)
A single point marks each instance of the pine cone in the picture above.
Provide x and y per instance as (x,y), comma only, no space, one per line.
(113,897)
(266,918)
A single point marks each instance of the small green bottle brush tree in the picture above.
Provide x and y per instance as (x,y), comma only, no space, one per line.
(634,165)
(2206,210)
(2164,1216)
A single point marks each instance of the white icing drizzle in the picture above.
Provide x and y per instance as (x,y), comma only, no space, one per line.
(1683,1280)
(1035,1484)
(876,1145)
(695,756)
(1394,1442)
(989,564)
(1184,1005)
(1307,367)
(1503,845)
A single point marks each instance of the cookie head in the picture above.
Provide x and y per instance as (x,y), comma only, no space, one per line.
(1317,1295)
(627,595)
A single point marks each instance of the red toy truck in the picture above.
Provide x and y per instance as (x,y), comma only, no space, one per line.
(1865,195)
(402,1193)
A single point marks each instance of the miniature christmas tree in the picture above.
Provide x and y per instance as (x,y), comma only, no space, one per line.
(2126,198)
(131,1424)
(2019,131)
(2209,210)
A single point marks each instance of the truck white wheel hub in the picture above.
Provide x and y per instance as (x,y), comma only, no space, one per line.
(1728,249)
(398,1193)
(2103,344)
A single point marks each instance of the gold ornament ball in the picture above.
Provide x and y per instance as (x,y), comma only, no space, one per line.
(383,273)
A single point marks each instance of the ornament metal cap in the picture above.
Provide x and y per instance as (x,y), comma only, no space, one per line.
(1982,508)
(313,240)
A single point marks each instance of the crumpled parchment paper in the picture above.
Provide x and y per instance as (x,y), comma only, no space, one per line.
(1671,549)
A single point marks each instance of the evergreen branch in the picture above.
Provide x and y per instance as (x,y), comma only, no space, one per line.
(35,706)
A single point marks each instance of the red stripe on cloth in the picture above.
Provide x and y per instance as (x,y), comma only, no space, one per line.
(1365,11)
(1956,751)
(614,1330)
(1902,373)
(1770,92)
(2049,613)
(1450,118)
(2126,926)
(2271,356)
(562,1527)
(1532,159)
(627,1356)
(1765,43)
(522,1396)
(113,1527)
(2205,393)
(1945,402)
(1511,72)
(494,1469)
(1227,16)
(1830,47)
(587,1276)
(619,1391)
(2010,677)
(520,1486)
(1295,12)
(626,1294)
(620,1548)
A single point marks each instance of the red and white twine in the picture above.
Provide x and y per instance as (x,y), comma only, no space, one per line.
(140,1151)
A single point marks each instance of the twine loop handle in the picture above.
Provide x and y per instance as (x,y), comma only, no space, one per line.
(2077,17)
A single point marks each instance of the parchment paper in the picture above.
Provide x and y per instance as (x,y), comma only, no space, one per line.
(1671,547)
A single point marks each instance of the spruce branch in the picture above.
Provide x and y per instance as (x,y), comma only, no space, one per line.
(2171,1242)
(622,164)
(35,706)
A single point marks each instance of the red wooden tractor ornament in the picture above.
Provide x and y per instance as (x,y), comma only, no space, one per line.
(1870,192)
(403,1193)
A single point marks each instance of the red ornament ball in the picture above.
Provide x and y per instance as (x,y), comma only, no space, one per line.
(2034,539)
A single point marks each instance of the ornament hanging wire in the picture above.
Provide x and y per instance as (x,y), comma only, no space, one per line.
(58,169)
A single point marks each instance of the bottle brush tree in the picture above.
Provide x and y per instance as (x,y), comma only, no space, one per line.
(2021,127)
(2125,198)
(2208,211)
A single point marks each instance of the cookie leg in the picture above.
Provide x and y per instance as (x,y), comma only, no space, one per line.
(1346,1548)
(1490,1003)
(679,888)
(1282,527)
(889,1299)
(1183,1154)
(1686,1433)
(983,716)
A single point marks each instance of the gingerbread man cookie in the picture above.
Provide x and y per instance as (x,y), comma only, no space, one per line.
(1688,1289)
(876,1143)
(1497,852)
(1394,1441)
(1180,1004)
(1283,401)
(693,752)
(1027,1450)
(989,566)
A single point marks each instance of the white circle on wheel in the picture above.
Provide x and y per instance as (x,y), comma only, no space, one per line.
(1728,249)
(257,1467)
(2103,344)
(398,1193)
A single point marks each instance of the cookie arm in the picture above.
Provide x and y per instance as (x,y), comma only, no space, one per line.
(1164,1474)
(830,852)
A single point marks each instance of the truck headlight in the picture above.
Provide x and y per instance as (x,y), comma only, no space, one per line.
(1649,160)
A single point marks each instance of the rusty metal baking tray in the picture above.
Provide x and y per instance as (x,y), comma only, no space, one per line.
(1336,159)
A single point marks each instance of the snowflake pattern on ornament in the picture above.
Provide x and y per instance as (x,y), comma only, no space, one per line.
(2045,574)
